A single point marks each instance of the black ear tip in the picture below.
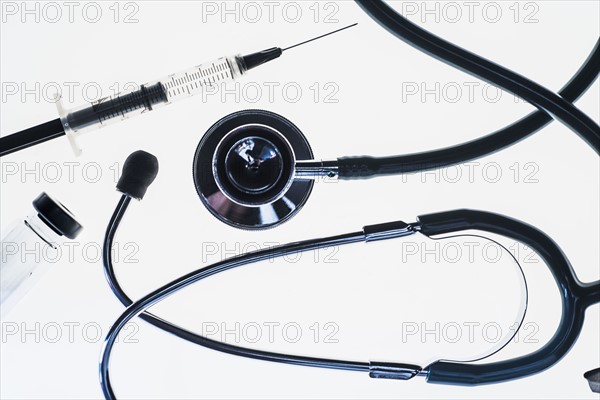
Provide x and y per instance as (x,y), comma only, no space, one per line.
(141,162)
(139,171)
(593,378)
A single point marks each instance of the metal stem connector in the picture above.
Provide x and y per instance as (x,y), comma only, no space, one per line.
(316,169)
(388,230)
(385,370)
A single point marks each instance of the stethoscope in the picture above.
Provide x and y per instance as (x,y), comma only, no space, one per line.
(255,169)
(141,168)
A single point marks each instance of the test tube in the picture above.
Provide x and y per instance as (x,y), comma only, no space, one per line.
(30,246)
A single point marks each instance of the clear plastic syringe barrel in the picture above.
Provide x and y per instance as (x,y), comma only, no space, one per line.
(149,96)
(194,80)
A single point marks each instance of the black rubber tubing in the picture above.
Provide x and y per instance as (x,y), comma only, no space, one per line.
(365,167)
(194,337)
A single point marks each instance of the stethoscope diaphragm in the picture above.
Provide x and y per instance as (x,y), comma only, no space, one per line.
(244,169)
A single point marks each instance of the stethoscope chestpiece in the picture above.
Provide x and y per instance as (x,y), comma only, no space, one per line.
(245,169)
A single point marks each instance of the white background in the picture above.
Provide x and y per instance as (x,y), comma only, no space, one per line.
(368,292)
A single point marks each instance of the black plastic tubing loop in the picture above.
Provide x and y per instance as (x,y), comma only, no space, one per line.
(575,296)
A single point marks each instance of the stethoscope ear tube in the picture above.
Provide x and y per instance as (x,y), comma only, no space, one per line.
(551,103)
(575,296)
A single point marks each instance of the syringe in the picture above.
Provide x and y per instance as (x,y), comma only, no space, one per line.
(148,97)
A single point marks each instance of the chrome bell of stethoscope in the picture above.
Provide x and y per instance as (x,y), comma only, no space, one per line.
(254,169)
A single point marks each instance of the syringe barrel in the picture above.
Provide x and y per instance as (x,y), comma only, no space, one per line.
(115,108)
(150,96)
(194,80)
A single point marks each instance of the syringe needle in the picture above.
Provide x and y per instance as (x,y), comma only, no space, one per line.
(320,37)
(255,59)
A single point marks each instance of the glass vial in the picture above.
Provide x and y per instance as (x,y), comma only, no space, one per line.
(29,248)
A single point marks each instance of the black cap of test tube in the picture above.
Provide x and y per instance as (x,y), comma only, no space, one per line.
(57,216)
